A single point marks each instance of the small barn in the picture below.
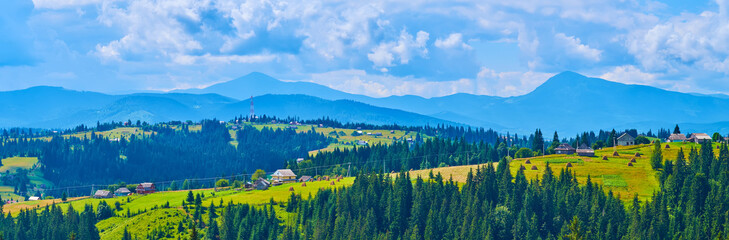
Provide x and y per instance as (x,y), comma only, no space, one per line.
(306,179)
(677,137)
(261,184)
(103,194)
(284,175)
(585,151)
(146,188)
(564,148)
(33,198)
(626,140)
(700,137)
(121,192)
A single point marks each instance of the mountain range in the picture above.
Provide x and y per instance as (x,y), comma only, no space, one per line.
(568,102)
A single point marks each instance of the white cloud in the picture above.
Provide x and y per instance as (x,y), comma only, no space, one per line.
(505,84)
(403,49)
(223,59)
(453,40)
(58,4)
(629,74)
(688,42)
(575,47)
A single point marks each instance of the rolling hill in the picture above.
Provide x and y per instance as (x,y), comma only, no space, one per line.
(568,102)
(53,107)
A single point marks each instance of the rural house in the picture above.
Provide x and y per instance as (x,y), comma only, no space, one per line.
(121,192)
(564,148)
(103,194)
(677,137)
(284,175)
(700,137)
(145,188)
(305,179)
(585,151)
(626,140)
(261,184)
(33,198)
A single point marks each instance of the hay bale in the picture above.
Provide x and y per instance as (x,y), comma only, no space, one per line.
(615,154)
(632,160)
(668,146)
(338,179)
(568,165)
(527,162)
(637,154)
(303,184)
(332,183)
(630,164)
(291,189)
(326,178)
(604,158)
(534,167)
(522,167)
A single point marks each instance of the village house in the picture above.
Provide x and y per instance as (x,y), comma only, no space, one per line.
(585,151)
(121,192)
(677,137)
(145,188)
(261,184)
(299,160)
(284,175)
(564,148)
(700,137)
(361,142)
(103,194)
(626,140)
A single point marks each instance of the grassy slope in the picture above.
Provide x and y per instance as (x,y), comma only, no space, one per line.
(154,217)
(613,174)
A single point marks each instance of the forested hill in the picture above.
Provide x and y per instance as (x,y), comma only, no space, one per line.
(181,153)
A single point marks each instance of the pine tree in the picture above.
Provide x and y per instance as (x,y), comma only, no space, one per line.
(190,198)
(657,157)
(193,235)
(126,235)
(676,130)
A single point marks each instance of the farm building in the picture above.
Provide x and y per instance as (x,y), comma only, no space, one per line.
(103,194)
(361,142)
(261,184)
(299,160)
(626,140)
(122,192)
(306,179)
(145,188)
(377,134)
(700,137)
(585,151)
(33,198)
(564,148)
(284,175)
(677,137)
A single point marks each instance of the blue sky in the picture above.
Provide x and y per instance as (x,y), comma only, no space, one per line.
(376,48)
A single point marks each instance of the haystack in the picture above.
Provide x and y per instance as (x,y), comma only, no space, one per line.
(534,167)
(326,178)
(338,179)
(637,154)
(291,189)
(303,184)
(668,146)
(615,154)
(604,158)
(630,164)
(522,167)
(632,160)
(332,183)
(568,165)
(527,162)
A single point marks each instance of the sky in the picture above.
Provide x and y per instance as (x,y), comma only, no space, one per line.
(375,48)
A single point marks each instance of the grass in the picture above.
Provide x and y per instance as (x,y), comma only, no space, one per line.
(14,163)
(614,181)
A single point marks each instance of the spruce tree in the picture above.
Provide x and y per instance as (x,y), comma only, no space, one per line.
(657,157)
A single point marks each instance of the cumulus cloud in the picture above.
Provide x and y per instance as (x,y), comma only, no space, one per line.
(58,4)
(505,84)
(630,74)
(689,41)
(454,40)
(575,47)
(403,49)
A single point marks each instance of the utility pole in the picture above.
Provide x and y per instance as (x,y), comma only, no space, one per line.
(348,167)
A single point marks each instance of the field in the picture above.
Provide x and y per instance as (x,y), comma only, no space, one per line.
(614,174)
(153,216)
(14,163)
(344,136)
